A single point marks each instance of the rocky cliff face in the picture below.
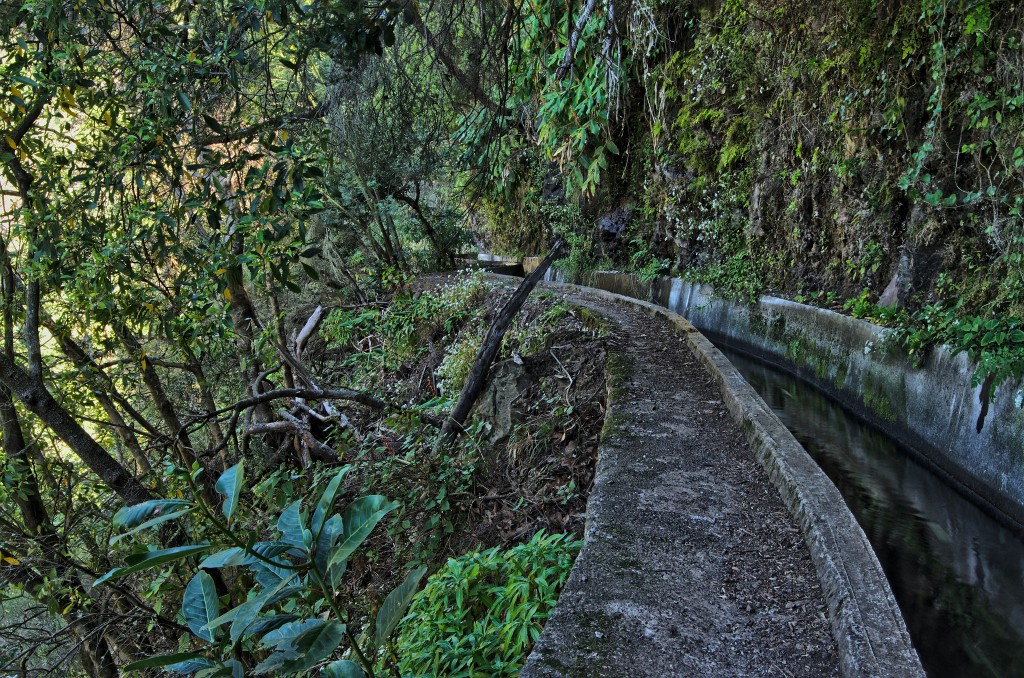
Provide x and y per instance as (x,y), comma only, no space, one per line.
(832,146)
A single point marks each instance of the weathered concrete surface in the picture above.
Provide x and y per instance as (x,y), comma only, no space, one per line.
(658,525)
(975,441)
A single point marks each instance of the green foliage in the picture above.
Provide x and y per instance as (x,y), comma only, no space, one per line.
(458,359)
(395,605)
(531,336)
(644,262)
(580,255)
(994,344)
(398,333)
(482,612)
(776,141)
(869,262)
(283,587)
(573,109)
(862,306)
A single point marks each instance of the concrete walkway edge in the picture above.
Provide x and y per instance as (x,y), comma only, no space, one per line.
(866,622)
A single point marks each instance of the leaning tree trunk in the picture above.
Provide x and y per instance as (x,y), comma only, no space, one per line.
(38,400)
(477,378)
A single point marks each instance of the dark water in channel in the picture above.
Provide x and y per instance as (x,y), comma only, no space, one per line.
(957,574)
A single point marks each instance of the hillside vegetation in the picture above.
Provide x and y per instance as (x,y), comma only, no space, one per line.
(221,385)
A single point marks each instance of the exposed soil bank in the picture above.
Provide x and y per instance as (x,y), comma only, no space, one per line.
(976,441)
(692,563)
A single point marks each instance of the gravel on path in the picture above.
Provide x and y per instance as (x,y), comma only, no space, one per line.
(692,564)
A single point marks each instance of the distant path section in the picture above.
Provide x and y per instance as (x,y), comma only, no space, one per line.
(692,563)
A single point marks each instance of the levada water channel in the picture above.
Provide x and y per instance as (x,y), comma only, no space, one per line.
(957,572)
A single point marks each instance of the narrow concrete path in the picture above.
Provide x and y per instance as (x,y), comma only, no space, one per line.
(692,566)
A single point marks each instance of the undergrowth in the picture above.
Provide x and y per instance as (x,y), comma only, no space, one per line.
(480,614)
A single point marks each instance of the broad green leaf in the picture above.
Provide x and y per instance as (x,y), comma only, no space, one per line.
(286,634)
(360,518)
(225,558)
(143,561)
(242,616)
(200,605)
(228,616)
(269,576)
(275,663)
(267,624)
(310,647)
(132,516)
(346,668)
(32,83)
(335,571)
(152,522)
(267,549)
(164,660)
(237,556)
(326,503)
(213,124)
(315,645)
(245,614)
(395,605)
(290,525)
(329,535)
(185,101)
(192,665)
(230,485)
(231,667)
(237,670)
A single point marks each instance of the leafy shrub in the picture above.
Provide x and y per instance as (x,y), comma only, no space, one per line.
(530,336)
(458,358)
(481,613)
(643,260)
(994,344)
(398,330)
(285,609)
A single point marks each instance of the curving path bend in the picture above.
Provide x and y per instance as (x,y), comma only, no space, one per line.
(693,565)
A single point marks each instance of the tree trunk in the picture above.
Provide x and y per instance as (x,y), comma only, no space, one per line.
(477,378)
(428,228)
(41,403)
(164,406)
(91,370)
(282,338)
(180,439)
(216,434)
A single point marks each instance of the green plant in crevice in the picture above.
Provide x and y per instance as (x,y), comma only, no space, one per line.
(967,169)
(644,262)
(480,614)
(861,306)
(994,344)
(871,259)
(286,619)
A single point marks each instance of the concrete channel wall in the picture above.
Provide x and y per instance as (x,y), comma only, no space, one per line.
(866,622)
(976,442)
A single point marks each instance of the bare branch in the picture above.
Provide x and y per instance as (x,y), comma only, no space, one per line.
(577,32)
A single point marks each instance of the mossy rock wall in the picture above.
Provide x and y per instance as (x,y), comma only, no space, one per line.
(833,146)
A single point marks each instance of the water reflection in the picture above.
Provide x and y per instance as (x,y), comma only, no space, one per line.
(957,574)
